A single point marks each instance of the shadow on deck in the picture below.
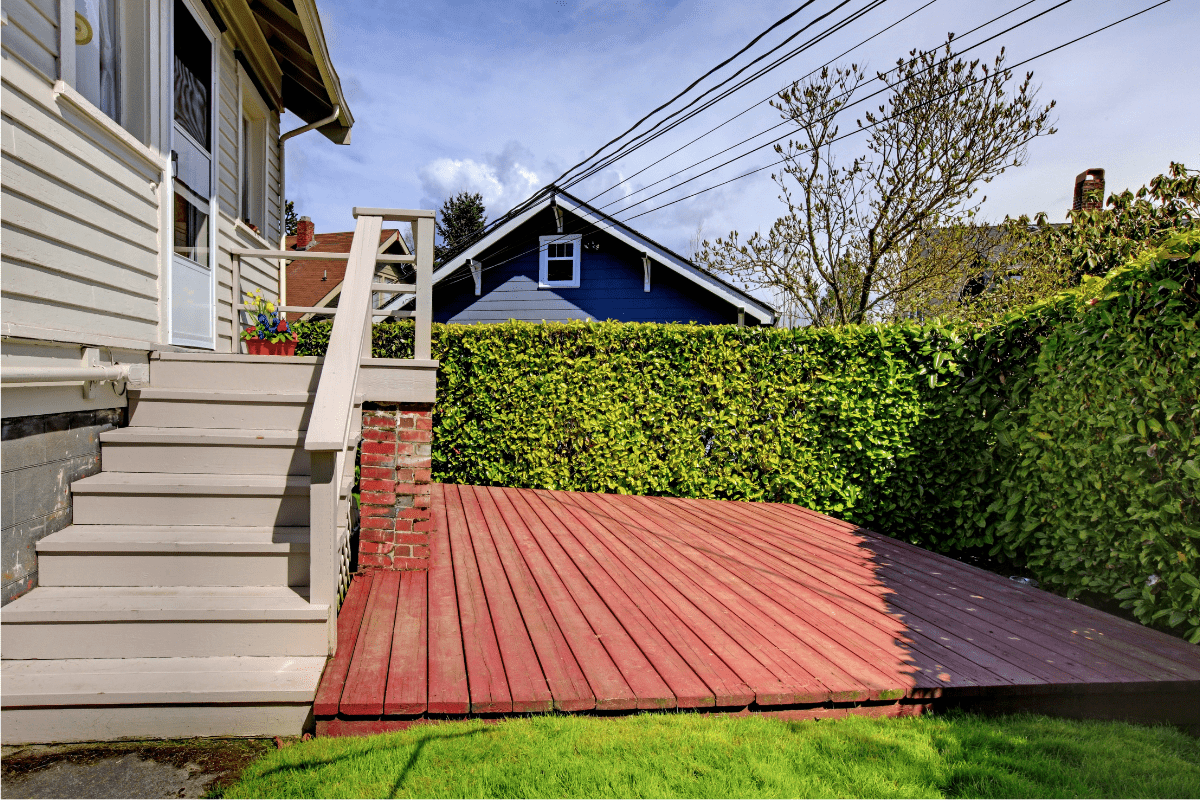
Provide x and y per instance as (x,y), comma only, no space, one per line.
(538,601)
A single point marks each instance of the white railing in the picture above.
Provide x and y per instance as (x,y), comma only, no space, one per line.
(331,424)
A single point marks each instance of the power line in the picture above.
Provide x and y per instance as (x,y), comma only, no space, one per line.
(784,122)
(520,207)
(647,136)
(757,103)
(600,229)
(884,119)
(690,86)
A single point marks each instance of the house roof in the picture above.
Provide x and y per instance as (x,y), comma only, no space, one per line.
(282,46)
(314,283)
(554,195)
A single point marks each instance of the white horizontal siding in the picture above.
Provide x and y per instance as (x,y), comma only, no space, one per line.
(31,34)
(228,115)
(274,184)
(80,219)
(256,273)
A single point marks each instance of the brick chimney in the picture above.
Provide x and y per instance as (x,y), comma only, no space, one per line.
(304,233)
(1089,190)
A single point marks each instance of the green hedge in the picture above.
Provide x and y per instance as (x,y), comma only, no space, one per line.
(1028,438)
(1101,480)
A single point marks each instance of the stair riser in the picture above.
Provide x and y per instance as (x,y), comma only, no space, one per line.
(246,376)
(153,509)
(135,639)
(173,569)
(157,413)
(109,723)
(181,459)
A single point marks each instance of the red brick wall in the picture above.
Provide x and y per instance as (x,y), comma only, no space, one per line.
(394,486)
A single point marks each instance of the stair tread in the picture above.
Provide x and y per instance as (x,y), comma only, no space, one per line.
(226,395)
(175,538)
(265,437)
(58,604)
(189,483)
(119,681)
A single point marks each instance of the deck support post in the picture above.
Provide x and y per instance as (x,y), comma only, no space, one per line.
(322,527)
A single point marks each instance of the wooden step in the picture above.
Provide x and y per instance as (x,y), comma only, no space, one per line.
(234,372)
(63,700)
(197,408)
(174,555)
(162,622)
(234,451)
(137,498)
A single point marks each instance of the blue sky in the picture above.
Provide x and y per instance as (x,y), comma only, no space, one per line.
(500,98)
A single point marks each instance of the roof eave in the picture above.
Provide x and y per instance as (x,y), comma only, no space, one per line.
(761,311)
(337,131)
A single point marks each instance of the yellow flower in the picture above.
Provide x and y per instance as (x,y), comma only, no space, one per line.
(270,306)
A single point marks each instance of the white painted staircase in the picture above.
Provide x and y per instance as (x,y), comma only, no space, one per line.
(177,603)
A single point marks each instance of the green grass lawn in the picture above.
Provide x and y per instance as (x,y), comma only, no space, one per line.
(688,755)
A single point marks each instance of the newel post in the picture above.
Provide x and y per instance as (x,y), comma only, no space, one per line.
(322,566)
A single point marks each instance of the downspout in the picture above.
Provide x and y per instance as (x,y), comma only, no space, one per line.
(337,111)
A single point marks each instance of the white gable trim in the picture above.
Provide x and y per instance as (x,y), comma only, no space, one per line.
(761,312)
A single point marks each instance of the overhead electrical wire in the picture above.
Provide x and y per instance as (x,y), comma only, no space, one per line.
(782,20)
(599,229)
(884,119)
(829,31)
(758,103)
(784,122)
(646,136)
(520,208)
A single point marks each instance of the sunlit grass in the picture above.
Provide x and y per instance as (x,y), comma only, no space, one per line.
(688,755)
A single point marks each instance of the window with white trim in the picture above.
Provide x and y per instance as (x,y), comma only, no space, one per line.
(253,156)
(558,265)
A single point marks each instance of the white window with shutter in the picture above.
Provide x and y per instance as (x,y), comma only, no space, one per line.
(558,266)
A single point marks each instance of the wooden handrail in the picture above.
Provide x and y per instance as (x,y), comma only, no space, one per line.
(329,424)
(308,255)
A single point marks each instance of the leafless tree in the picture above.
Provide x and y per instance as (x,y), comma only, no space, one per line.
(894,228)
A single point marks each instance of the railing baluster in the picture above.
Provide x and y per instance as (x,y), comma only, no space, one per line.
(423,239)
(235,312)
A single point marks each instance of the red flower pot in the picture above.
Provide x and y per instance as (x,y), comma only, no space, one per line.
(261,347)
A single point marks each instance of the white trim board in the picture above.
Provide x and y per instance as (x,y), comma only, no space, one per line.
(760,311)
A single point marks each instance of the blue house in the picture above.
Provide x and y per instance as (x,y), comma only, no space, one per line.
(556,259)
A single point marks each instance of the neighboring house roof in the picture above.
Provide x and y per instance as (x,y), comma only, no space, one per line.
(317,283)
(552,195)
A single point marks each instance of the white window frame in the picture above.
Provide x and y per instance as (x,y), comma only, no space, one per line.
(254,110)
(210,30)
(544,243)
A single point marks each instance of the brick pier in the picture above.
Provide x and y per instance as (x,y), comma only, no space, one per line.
(394,482)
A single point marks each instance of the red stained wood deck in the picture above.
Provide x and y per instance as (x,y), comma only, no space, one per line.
(539,600)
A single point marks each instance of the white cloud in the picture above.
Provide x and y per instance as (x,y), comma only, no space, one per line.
(503,179)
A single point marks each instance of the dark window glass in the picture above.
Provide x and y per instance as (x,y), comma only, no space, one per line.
(191,231)
(560,269)
(561,250)
(193,76)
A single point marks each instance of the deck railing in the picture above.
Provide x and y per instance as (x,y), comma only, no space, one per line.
(332,422)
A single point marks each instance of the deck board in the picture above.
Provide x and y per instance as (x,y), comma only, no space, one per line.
(408,666)
(564,678)
(446,663)
(608,688)
(486,680)
(537,600)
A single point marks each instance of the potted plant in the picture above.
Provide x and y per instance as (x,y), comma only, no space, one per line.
(271,335)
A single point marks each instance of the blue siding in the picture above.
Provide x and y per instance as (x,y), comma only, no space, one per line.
(610,286)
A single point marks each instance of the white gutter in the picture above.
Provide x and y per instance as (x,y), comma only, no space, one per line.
(337,111)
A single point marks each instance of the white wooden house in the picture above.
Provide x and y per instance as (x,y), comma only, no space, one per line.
(175,512)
